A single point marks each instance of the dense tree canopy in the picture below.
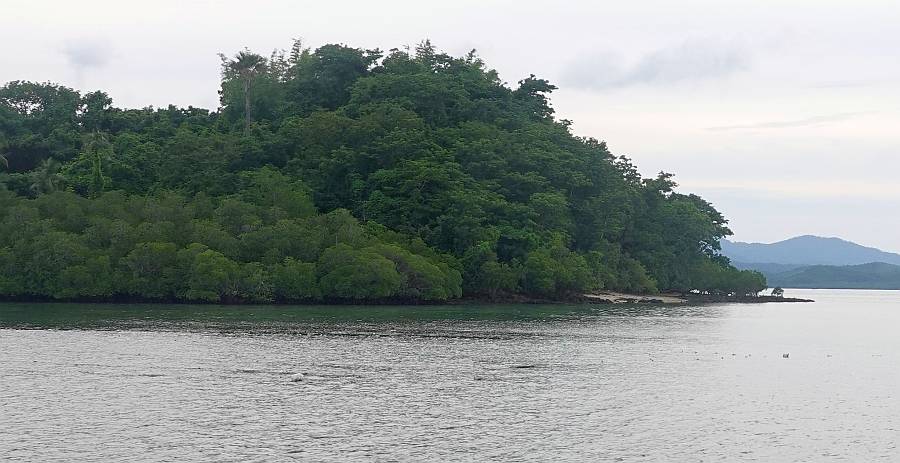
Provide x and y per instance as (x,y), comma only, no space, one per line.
(338,173)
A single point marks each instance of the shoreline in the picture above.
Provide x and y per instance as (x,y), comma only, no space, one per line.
(612,297)
(597,298)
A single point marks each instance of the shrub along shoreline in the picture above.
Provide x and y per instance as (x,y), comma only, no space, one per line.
(262,245)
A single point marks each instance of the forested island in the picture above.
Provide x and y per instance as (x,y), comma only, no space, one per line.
(338,175)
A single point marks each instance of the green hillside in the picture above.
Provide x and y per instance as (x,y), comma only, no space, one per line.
(337,174)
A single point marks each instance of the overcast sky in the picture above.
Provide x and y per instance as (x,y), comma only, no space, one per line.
(784,114)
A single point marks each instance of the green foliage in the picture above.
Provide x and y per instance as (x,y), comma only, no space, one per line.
(485,275)
(422,278)
(350,273)
(295,281)
(557,271)
(711,277)
(169,247)
(212,276)
(434,178)
(152,270)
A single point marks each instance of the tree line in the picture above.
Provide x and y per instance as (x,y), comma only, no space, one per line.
(338,173)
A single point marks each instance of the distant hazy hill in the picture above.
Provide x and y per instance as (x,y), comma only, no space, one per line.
(816,262)
(806,250)
(866,276)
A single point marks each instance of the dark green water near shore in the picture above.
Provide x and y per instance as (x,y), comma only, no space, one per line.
(262,318)
(92,382)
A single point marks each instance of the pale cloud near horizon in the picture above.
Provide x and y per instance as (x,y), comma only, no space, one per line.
(809,121)
(783,114)
(691,61)
(834,189)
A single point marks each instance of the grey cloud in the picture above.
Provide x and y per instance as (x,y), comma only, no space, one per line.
(691,61)
(810,121)
(87,54)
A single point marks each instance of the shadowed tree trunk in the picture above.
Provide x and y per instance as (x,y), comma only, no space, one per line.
(248,118)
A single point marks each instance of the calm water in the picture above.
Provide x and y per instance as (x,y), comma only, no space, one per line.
(506,383)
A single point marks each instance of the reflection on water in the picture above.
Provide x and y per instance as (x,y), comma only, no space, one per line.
(516,382)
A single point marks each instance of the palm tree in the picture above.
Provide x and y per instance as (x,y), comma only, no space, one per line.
(46,178)
(97,147)
(246,65)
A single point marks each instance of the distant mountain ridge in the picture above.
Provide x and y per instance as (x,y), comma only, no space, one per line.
(807,250)
(817,262)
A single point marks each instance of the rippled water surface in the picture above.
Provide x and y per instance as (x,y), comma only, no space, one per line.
(465,383)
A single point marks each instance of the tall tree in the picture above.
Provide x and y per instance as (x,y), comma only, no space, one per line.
(97,147)
(46,178)
(246,65)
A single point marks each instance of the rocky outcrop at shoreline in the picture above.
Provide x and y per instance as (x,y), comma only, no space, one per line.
(624,298)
